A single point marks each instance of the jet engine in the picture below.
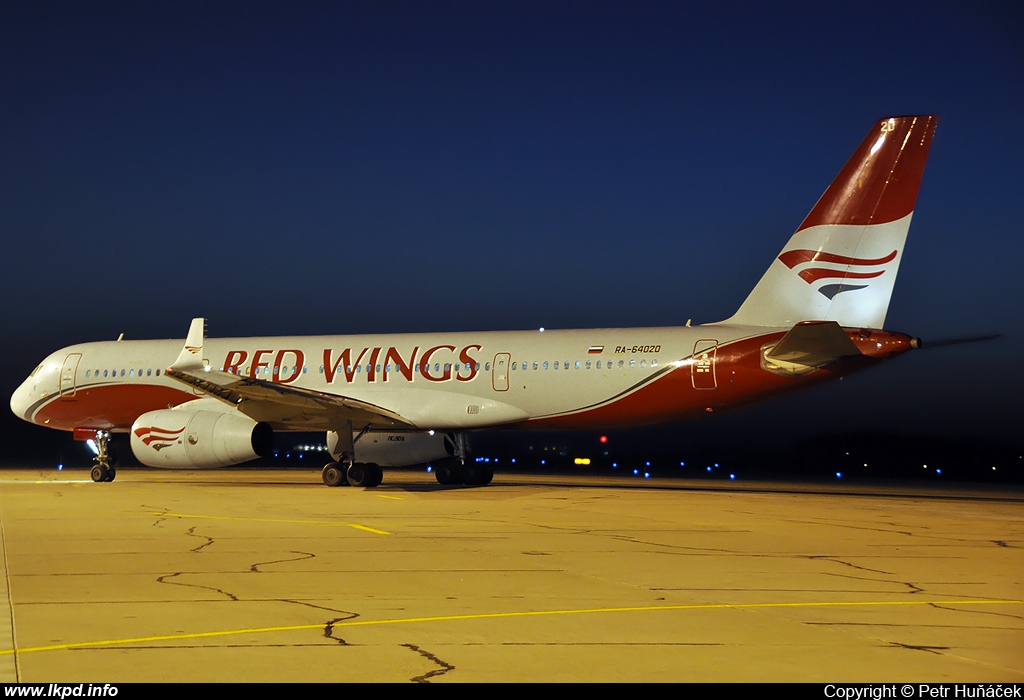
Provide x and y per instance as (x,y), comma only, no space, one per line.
(198,439)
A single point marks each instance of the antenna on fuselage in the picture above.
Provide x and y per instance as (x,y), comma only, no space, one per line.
(120,337)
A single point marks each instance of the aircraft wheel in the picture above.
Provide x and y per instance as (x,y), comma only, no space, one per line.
(446,474)
(360,474)
(483,475)
(376,474)
(99,473)
(111,473)
(334,475)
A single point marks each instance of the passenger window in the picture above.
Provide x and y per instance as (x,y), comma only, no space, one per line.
(588,364)
(599,364)
(632,364)
(545,365)
(535,365)
(621,364)
(577,364)
(158,371)
(654,363)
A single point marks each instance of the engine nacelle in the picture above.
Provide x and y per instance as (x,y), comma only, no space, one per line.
(397,449)
(198,439)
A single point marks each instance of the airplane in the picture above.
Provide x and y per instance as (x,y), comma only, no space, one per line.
(818,313)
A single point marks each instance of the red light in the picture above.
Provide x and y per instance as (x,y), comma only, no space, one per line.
(603,439)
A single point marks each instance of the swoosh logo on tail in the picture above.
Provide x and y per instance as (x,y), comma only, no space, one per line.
(802,256)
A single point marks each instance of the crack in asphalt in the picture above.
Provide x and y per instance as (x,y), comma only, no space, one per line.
(444,667)
(254,568)
(164,579)
(191,532)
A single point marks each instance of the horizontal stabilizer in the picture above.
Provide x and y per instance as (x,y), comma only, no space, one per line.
(813,344)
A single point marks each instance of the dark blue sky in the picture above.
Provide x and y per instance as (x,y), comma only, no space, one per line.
(378,167)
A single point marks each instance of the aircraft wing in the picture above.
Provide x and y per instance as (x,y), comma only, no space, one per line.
(280,405)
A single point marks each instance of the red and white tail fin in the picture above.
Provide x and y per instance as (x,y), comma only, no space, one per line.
(841,263)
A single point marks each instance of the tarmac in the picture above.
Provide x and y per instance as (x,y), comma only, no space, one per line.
(270,576)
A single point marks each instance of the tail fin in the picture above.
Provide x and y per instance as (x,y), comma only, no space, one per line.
(841,263)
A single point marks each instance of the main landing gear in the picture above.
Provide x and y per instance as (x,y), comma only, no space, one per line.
(105,458)
(450,472)
(356,474)
(347,471)
(457,469)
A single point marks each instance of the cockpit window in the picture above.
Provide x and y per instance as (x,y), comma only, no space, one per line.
(36,370)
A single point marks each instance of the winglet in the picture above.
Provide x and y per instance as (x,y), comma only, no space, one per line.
(191,356)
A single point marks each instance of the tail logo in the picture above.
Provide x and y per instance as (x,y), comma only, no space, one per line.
(158,438)
(813,274)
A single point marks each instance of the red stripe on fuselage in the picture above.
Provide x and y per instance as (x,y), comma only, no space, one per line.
(740,381)
(111,407)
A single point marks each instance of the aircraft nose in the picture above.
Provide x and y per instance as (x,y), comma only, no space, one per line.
(21,399)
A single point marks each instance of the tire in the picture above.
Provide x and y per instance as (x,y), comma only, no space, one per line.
(376,474)
(359,474)
(446,474)
(334,474)
(99,473)
(484,475)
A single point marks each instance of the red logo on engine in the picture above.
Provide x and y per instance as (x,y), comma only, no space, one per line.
(158,438)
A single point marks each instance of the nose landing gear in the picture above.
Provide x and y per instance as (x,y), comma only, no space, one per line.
(105,458)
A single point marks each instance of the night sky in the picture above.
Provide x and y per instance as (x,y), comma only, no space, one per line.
(293,168)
